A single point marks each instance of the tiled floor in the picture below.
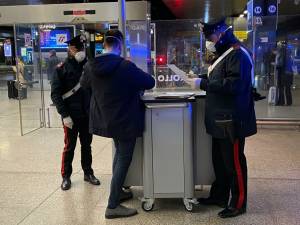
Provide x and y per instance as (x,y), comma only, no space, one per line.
(31,195)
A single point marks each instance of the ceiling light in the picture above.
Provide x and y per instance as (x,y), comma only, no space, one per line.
(245,12)
(242,15)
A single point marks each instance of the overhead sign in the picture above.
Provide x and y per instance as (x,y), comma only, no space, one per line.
(79,12)
(258,20)
(258,10)
(264,39)
(272,9)
(258,7)
(272,6)
(241,34)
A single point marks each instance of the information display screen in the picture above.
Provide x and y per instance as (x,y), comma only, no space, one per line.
(7,50)
(55,39)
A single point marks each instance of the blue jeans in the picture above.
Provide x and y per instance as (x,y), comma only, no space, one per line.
(121,163)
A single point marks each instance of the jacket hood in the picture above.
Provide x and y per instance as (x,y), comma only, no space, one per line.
(105,64)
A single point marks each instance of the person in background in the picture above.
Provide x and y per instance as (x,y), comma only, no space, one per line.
(72,103)
(289,78)
(52,64)
(229,116)
(280,65)
(117,112)
(19,70)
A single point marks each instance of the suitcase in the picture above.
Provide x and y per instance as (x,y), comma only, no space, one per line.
(13,91)
(273,95)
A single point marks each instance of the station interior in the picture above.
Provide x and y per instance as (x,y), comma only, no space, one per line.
(31,130)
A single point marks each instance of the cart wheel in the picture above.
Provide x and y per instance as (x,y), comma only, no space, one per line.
(147,206)
(188,204)
(189,207)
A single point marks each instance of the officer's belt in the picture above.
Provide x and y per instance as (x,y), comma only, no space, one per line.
(71,92)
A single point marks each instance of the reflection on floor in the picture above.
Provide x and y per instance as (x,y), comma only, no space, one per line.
(31,194)
(31,111)
(263,110)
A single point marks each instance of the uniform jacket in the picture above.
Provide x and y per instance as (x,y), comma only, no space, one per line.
(229,95)
(65,79)
(116,110)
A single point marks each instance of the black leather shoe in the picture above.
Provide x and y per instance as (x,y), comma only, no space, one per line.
(231,212)
(212,201)
(125,196)
(66,184)
(91,179)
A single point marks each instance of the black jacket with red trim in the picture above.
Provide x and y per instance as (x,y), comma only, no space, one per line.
(229,93)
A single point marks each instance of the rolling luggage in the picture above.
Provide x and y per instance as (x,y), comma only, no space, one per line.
(13,91)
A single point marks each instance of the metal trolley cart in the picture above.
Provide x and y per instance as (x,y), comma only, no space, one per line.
(168,152)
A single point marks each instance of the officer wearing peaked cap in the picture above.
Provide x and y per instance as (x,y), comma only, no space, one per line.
(72,103)
(229,116)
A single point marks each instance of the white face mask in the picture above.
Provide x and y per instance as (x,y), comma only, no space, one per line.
(210,46)
(80,56)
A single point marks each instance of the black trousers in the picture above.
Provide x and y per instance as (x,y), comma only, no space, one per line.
(121,163)
(285,82)
(285,95)
(81,128)
(230,168)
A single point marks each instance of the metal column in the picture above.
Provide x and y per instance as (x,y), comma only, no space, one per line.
(17,78)
(122,23)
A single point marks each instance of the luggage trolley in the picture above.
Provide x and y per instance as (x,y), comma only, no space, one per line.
(168,152)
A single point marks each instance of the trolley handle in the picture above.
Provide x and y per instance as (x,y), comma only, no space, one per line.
(164,106)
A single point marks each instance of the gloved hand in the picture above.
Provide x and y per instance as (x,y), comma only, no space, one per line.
(68,122)
(194,82)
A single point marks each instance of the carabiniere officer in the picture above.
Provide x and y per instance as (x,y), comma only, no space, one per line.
(72,103)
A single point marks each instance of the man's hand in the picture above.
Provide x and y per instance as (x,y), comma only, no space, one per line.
(68,122)
(194,82)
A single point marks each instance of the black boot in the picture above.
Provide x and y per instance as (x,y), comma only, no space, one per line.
(231,212)
(66,183)
(212,201)
(91,179)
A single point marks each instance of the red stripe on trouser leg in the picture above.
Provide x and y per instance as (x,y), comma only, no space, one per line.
(66,140)
(238,169)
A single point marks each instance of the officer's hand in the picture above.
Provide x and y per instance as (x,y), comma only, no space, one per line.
(68,122)
(194,82)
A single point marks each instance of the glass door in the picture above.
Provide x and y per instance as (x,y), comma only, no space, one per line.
(53,51)
(29,78)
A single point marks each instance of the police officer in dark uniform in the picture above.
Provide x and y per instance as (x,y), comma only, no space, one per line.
(229,116)
(72,103)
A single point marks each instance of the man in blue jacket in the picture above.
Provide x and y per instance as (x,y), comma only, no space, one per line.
(116,111)
(229,116)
